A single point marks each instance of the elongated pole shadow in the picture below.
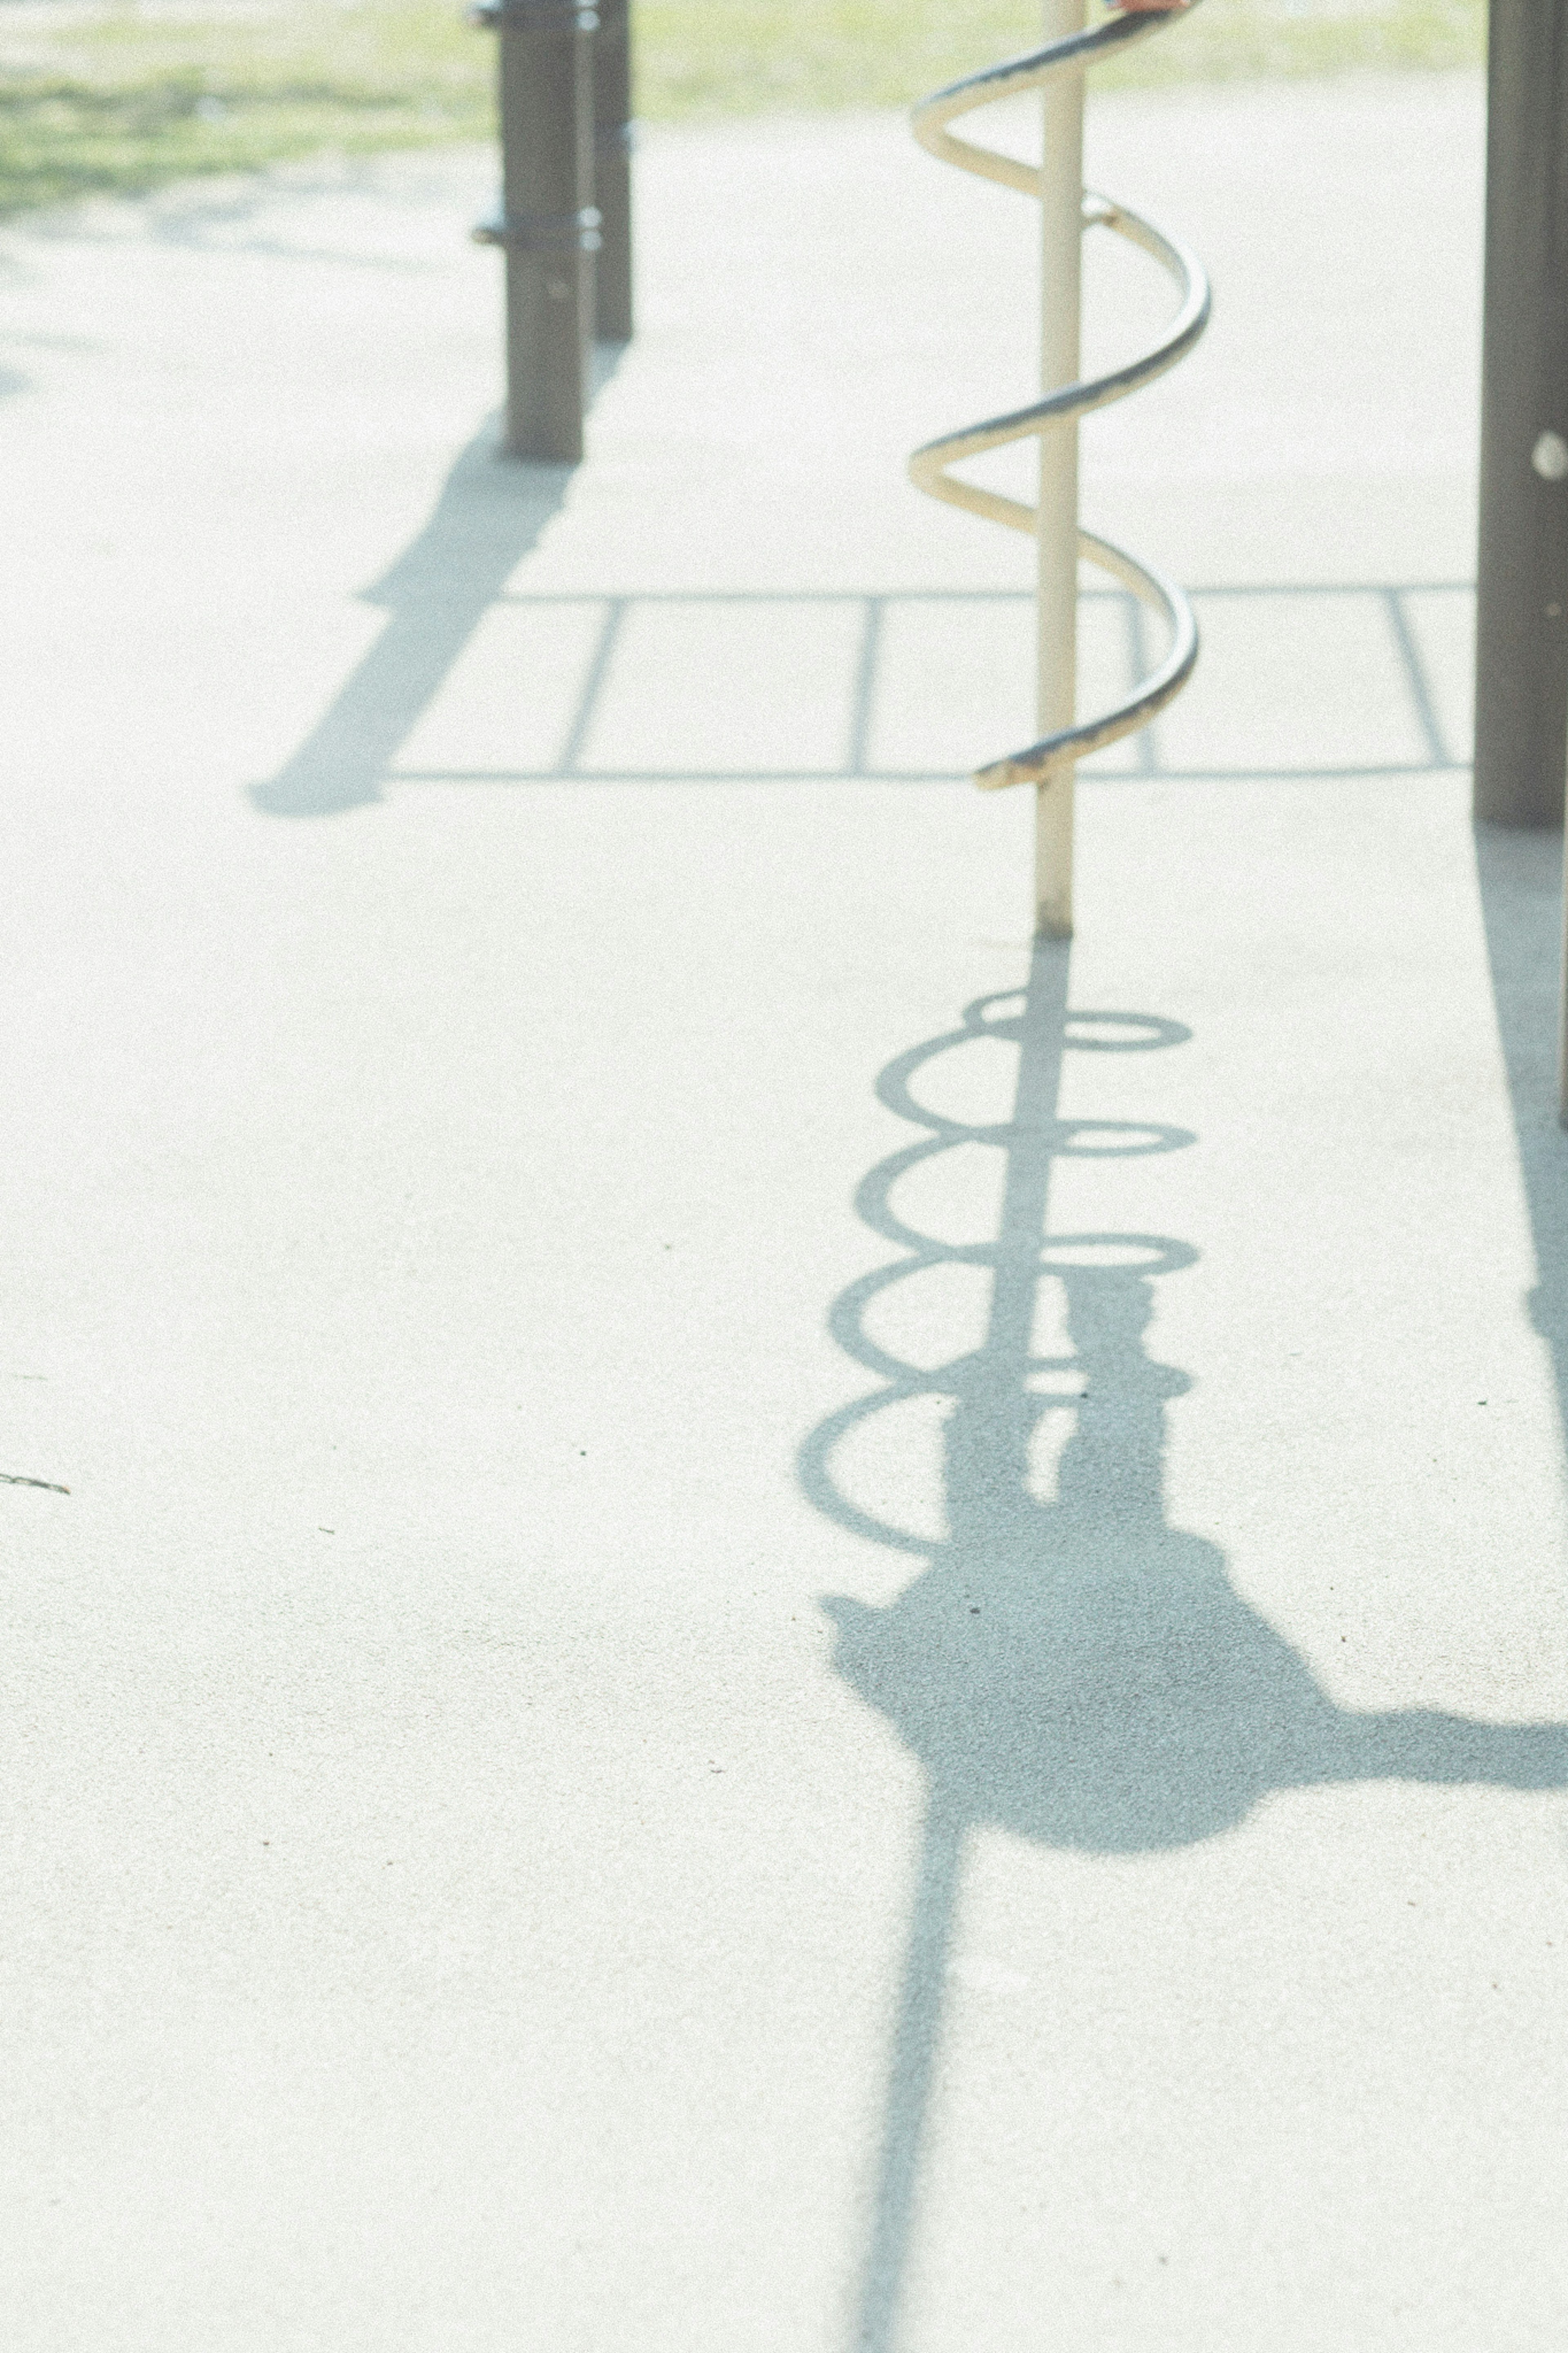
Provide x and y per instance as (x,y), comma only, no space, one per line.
(917,2038)
(491,512)
(1066,1667)
(1519,871)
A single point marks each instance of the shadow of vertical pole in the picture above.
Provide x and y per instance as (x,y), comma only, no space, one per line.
(1027,1187)
(488,517)
(988,1452)
(1521,875)
(916,2039)
(863,697)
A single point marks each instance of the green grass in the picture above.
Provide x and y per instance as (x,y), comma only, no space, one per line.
(733,56)
(121,102)
(121,98)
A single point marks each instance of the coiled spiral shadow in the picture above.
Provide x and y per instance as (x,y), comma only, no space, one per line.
(1068,1668)
(930,465)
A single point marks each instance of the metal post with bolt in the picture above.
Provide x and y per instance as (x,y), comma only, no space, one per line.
(1522,631)
(613,170)
(548,227)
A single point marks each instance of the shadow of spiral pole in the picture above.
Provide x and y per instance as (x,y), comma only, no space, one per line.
(995,1414)
(1066,1667)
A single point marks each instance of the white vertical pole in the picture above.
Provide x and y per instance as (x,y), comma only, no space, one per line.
(1061,210)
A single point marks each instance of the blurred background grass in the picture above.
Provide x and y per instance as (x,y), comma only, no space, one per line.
(109,97)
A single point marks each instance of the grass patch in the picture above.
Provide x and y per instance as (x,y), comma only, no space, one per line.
(121,97)
(118,102)
(734,56)
(123,101)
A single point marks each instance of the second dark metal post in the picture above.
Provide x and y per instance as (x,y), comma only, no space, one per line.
(548,227)
(1521,635)
(613,169)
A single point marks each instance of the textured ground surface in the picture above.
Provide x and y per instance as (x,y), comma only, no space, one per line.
(583,1768)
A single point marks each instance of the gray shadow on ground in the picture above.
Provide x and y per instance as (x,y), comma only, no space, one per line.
(490,512)
(879,613)
(1072,1670)
(1520,878)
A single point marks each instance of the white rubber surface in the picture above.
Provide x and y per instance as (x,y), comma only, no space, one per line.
(498,1856)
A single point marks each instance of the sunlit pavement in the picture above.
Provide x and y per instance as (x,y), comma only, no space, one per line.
(643,1725)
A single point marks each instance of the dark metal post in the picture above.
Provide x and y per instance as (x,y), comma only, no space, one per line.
(548,227)
(1522,631)
(613,170)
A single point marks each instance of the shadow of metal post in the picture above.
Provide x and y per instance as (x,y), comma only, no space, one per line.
(1519,873)
(488,516)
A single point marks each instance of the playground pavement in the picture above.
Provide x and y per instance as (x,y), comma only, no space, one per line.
(640,1727)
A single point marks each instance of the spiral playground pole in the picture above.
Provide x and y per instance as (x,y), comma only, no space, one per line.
(1057,70)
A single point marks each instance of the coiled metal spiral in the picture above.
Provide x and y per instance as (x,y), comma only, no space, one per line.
(1062,407)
